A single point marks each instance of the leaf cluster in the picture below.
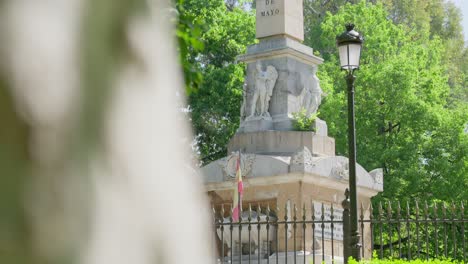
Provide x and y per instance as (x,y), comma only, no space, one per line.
(304,122)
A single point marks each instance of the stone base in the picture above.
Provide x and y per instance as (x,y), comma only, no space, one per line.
(256,124)
(282,143)
(283,123)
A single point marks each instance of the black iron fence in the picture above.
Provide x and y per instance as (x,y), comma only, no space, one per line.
(317,233)
(302,235)
(433,231)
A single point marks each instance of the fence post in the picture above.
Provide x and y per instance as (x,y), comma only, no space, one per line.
(346,228)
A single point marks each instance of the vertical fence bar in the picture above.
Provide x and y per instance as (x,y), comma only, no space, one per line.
(277,229)
(408,228)
(304,230)
(286,234)
(346,227)
(362,230)
(381,229)
(313,233)
(418,244)
(215,220)
(323,232)
(462,217)
(231,227)
(294,229)
(222,233)
(398,219)
(331,228)
(268,232)
(390,229)
(240,233)
(426,231)
(444,215)
(371,220)
(259,242)
(250,229)
(454,230)
(436,229)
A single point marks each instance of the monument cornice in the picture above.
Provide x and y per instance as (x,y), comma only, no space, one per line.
(280,47)
(308,178)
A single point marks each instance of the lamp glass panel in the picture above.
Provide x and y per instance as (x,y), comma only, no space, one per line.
(354,55)
(343,50)
(350,55)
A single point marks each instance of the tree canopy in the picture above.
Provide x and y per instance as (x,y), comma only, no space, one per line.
(411,98)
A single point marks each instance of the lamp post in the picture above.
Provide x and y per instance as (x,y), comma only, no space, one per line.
(349,46)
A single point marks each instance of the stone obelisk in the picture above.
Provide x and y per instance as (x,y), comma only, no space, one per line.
(284,168)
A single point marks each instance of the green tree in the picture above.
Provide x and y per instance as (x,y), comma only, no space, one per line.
(403,120)
(228,28)
(411,93)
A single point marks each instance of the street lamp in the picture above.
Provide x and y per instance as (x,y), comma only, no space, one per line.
(349,46)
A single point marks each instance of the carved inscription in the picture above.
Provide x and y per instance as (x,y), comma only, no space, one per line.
(270,9)
(327,213)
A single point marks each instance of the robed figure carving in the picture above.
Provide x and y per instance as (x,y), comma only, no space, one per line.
(264,83)
(311,94)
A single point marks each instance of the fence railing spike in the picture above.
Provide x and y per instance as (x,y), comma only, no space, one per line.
(362,211)
(258,212)
(250,212)
(398,210)
(389,209)
(295,212)
(231,218)
(267,212)
(312,209)
(426,210)
(304,212)
(407,210)
(332,216)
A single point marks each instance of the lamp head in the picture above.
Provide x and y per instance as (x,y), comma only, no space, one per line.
(349,46)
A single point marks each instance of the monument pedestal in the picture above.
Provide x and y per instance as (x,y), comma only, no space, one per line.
(285,170)
(276,176)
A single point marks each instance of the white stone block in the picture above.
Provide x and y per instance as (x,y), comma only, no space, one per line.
(280,17)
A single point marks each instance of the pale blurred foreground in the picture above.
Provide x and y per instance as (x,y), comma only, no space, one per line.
(93,147)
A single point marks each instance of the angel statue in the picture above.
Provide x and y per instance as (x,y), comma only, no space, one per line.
(264,83)
(311,94)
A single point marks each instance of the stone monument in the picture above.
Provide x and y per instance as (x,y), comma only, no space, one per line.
(282,166)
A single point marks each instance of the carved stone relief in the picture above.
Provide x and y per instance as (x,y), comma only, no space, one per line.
(377,175)
(341,170)
(229,164)
(302,157)
(310,97)
(256,104)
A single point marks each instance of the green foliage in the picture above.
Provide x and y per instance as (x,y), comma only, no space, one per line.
(303,121)
(410,93)
(215,103)
(188,31)
(402,106)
